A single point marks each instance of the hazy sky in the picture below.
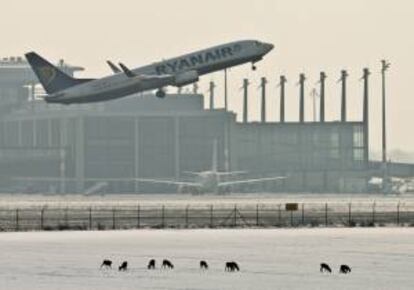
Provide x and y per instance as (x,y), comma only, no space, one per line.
(309,36)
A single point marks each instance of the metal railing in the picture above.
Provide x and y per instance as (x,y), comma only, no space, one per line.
(207,216)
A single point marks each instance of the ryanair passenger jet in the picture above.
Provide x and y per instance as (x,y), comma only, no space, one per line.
(179,71)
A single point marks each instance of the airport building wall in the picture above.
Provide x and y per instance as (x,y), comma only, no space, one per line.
(71,150)
(320,157)
(106,147)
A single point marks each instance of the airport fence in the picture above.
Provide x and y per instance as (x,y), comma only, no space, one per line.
(207,216)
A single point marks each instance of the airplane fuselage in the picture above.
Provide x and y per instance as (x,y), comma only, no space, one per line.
(209,181)
(168,72)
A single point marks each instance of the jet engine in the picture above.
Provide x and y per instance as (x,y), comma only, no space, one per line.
(185,78)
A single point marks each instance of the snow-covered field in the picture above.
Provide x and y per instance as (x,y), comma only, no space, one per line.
(72,200)
(381,258)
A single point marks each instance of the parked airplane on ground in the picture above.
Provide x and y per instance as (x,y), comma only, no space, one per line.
(179,71)
(211,181)
(393,185)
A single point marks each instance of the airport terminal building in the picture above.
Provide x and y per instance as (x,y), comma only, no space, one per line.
(105,147)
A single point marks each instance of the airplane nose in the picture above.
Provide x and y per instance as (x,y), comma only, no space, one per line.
(268,47)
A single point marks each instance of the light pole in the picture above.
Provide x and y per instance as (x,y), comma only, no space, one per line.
(365,117)
(322,96)
(211,91)
(225,90)
(384,67)
(301,83)
(263,83)
(344,75)
(282,83)
(195,88)
(245,100)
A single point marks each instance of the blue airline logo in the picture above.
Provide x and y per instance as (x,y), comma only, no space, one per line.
(47,73)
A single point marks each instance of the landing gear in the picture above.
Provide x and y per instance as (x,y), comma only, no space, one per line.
(160,93)
(253,66)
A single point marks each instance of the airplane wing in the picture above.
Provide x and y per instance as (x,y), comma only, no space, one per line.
(161,181)
(193,173)
(47,178)
(113,67)
(178,183)
(247,181)
(231,173)
(217,173)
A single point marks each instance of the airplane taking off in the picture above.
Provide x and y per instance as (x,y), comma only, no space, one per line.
(179,71)
(210,181)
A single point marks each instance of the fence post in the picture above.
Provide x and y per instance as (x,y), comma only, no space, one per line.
(211,216)
(235,216)
(113,219)
(163,216)
(349,214)
(303,214)
(90,218)
(42,211)
(373,213)
(138,216)
(326,214)
(398,213)
(67,217)
(279,215)
(17,219)
(257,215)
(186,216)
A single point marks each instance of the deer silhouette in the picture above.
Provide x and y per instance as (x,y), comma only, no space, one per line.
(325,268)
(203,265)
(167,264)
(106,264)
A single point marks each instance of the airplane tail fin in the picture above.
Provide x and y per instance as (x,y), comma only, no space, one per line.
(51,78)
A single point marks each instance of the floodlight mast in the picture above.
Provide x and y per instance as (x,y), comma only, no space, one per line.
(385,65)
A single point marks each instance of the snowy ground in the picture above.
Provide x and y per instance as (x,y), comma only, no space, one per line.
(381,258)
(72,200)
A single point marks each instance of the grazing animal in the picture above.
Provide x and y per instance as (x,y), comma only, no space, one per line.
(231,267)
(106,263)
(344,269)
(124,266)
(151,264)
(167,264)
(325,268)
(203,265)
